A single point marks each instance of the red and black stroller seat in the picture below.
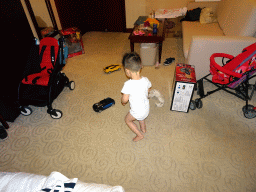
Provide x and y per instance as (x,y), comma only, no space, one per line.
(234,72)
(48,52)
(42,79)
(233,77)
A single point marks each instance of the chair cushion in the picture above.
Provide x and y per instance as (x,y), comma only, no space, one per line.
(190,29)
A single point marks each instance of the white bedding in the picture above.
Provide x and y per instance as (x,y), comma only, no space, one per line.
(26,182)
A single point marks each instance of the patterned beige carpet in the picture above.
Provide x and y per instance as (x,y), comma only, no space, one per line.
(207,150)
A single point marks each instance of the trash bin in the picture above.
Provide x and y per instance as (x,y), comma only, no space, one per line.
(148,53)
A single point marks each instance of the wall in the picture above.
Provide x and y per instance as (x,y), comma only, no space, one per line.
(134,9)
(54,9)
(165,4)
(29,19)
(41,13)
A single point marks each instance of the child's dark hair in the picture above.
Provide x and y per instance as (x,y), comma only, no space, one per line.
(132,61)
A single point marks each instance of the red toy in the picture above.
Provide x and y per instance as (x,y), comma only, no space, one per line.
(185,80)
(74,41)
(185,73)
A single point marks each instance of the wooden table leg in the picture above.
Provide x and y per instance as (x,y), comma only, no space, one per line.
(132,46)
(160,50)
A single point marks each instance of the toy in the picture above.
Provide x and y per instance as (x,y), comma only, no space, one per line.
(186,70)
(103,104)
(112,68)
(152,21)
(158,95)
(74,41)
(185,73)
(139,32)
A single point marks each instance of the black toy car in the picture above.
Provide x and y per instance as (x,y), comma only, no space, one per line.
(103,104)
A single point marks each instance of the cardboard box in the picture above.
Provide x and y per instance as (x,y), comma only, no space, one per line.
(185,80)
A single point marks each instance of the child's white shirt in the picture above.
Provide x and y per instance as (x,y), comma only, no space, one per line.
(138,96)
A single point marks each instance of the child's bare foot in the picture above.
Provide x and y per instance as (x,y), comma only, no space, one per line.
(142,126)
(137,138)
(143,129)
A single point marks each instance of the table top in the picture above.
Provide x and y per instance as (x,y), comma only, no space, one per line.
(146,38)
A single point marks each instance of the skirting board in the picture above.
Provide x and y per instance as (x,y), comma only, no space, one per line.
(205,0)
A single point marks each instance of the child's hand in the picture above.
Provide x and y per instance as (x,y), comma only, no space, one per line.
(124,99)
(123,103)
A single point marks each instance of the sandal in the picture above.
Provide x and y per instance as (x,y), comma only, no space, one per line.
(168,61)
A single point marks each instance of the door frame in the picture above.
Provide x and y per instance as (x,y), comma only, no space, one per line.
(33,18)
(50,10)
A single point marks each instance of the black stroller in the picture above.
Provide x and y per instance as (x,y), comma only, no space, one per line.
(43,80)
(233,77)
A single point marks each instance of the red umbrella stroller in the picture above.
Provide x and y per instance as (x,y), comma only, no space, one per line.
(43,80)
(233,77)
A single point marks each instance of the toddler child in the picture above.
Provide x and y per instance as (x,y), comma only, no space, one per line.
(135,90)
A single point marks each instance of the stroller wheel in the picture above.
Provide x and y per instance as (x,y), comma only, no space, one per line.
(250,107)
(56,114)
(192,105)
(199,103)
(3,133)
(250,113)
(26,111)
(71,85)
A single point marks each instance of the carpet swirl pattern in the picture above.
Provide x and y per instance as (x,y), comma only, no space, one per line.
(206,150)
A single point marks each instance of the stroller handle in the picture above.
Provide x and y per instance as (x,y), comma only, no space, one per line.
(222,69)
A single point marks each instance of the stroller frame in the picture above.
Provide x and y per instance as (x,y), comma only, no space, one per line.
(241,91)
(52,89)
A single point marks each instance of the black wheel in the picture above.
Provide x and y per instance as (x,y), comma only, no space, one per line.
(192,105)
(56,114)
(250,113)
(71,85)
(199,103)
(250,107)
(3,133)
(26,111)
